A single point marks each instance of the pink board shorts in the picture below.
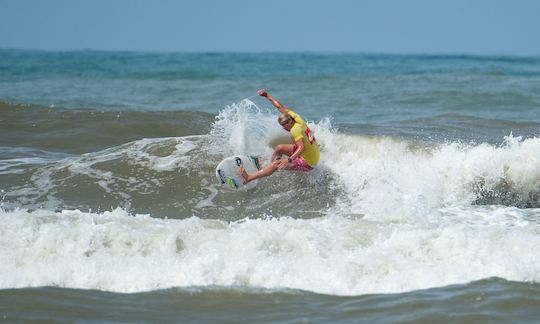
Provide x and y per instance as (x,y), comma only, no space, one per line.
(300,164)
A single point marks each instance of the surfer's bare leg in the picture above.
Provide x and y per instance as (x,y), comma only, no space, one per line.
(264,172)
(282,149)
(275,164)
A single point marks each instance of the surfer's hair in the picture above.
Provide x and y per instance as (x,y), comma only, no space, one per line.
(284,118)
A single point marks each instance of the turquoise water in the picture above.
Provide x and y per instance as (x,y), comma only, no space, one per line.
(349,87)
(425,205)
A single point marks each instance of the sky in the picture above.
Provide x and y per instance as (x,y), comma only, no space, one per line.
(493,27)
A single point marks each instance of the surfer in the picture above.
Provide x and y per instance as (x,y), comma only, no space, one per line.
(303,153)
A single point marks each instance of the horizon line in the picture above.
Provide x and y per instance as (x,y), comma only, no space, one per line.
(317,52)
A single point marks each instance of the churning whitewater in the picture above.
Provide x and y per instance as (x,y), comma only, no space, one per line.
(380,214)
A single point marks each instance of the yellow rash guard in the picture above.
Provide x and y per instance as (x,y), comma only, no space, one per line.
(300,130)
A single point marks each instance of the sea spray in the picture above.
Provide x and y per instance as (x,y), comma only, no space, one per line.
(245,128)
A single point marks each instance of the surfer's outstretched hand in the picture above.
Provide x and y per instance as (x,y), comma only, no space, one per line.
(262,93)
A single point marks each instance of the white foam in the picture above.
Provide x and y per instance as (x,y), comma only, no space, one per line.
(386,177)
(114,251)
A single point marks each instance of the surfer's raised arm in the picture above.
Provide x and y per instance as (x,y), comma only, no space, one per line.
(274,101)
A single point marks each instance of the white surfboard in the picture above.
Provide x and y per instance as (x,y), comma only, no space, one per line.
(228,171)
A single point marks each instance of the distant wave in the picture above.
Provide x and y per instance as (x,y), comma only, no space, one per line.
(450,127)
(88,130)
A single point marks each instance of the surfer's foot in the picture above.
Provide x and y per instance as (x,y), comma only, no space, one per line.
(244,174)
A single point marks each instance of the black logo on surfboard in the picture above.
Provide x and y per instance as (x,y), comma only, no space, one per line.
(222,176)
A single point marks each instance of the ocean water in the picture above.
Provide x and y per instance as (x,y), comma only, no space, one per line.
(425,205)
